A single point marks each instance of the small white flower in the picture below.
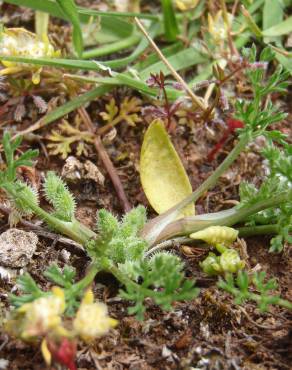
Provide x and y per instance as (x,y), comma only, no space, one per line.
(18,42)
(217,27)
(43,314)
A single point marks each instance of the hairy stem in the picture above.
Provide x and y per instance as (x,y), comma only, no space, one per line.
(74,229)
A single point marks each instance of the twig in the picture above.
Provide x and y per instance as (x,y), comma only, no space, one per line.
(195,99)
(106,161)
(266,327)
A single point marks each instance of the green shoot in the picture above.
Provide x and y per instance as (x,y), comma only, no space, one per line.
(279,180)
(240,289)
(122,247)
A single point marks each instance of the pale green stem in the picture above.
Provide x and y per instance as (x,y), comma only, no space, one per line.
(258,230)
(230,217)
(112,48)
(87,280)
(41,24)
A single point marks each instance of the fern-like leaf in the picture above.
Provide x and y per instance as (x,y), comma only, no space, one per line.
(59,196)
(31,196)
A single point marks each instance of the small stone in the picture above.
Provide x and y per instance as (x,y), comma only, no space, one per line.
(166,352)
(76,171)
(93,173)
(65,255)
(3,364)
(17,247)
(7,274)
(72,169)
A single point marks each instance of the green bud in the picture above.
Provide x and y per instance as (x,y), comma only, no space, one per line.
(211,265)
(230,261)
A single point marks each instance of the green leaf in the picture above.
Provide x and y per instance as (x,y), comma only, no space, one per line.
(286,61)
(62,278)
(272,15)
(163,271)
(163,176)
(60,197)
(119,241)
(283,28)
(28,286)
(181,60)
(70,10)
(169,19)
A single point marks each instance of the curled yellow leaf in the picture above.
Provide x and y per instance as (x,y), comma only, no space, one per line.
(163,176)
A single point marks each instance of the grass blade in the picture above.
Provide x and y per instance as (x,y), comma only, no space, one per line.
(169,19)
(112,48)
(66,108)
(58,63)
(184,59)
(69,8)
(272,15)
(280,29)
(53,9)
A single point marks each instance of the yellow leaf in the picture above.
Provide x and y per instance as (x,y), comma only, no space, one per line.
(163,176)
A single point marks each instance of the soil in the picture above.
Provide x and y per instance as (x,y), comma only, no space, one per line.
(210,332)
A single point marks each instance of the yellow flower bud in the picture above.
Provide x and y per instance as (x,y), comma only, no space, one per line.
(230,261)
(211,265)
(216,235)
(92,319)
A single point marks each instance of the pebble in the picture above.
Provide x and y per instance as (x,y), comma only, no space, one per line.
(76,171)
(17,247)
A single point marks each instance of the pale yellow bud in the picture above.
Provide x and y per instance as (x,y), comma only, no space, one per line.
(216,235)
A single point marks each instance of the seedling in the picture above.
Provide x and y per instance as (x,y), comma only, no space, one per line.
(122,247)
